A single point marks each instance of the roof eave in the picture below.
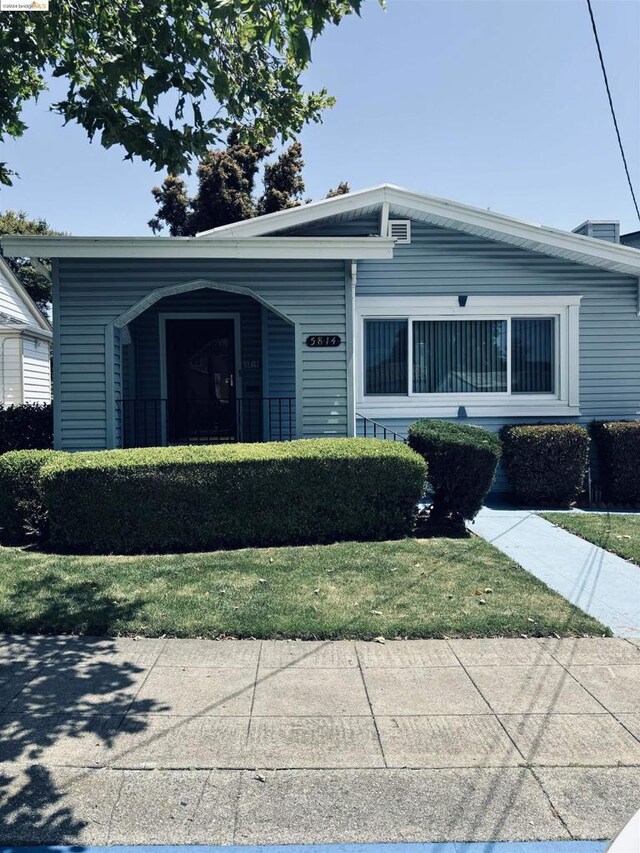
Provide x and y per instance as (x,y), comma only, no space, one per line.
(534,237)
(265,248)
(283,219)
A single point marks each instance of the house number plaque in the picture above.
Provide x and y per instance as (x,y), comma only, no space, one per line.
(324,341)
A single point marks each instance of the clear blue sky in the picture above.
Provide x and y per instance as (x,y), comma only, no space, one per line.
(495,103)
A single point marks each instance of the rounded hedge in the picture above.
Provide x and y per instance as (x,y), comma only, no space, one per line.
(618,444)
(461,462)
(206,497)
(23,515)
(545,464)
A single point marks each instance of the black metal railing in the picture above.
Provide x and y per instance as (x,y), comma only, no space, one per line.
(372,429)
(152,423)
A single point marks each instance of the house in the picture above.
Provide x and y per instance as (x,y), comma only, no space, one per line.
(25,345)
(376,307)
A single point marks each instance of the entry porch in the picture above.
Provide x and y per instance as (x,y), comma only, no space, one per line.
(206,366)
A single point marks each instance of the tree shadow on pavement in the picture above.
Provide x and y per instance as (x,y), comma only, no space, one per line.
(62,699)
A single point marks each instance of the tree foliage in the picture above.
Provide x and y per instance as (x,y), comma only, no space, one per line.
(283,182)
(342,189)
(226,188)
(35,283)
(168,79)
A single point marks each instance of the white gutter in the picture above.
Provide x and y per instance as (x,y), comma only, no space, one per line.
(275,248)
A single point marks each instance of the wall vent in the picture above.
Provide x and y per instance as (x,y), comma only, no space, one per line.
(400,230)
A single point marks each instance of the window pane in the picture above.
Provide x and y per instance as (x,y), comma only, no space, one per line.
(459,356)
(533,355)
(386,357)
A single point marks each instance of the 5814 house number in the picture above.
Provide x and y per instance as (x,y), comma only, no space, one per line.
(324,341)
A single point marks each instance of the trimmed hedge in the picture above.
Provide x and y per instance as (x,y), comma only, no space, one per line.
(26,427)
(545,463)
(23,516)
(461,462)
(201,498)
(618,444)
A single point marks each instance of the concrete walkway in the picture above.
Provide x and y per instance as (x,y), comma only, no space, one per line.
(166,741)
(598,582)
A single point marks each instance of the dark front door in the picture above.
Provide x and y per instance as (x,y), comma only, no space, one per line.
(201,406)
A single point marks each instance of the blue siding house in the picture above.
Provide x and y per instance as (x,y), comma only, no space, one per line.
(383,305)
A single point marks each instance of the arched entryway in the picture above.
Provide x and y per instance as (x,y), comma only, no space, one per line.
(203,362)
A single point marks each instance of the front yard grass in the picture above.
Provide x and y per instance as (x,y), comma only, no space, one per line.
(614,532)
(409,588)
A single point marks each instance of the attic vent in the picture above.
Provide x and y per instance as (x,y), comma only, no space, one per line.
(400,230)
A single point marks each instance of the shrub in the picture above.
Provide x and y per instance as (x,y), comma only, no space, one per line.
(618,444)
(461,462)
(22,511)
(27,427)
(545,463)
(199,498)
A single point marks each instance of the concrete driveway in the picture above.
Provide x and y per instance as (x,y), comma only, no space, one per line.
(193,741)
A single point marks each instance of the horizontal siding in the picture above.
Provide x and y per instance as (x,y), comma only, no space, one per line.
(279,349)
(444,262)
(36,369)
(93,293)
(437,262)
(10,371)
(10,302)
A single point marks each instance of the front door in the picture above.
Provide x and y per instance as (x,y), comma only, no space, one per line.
(201,405)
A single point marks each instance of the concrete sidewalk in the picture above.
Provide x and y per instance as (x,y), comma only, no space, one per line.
(165,741)
(600,583)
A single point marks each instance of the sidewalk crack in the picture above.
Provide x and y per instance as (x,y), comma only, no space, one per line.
(373,716)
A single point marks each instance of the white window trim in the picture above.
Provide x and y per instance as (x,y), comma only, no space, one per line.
(566,310)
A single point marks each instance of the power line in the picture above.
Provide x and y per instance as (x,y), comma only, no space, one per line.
(613,112)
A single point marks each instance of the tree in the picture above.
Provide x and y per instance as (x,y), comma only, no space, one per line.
(283,182)
(34,282)
(226,179)
(226,189)
(168,79)
(342,189)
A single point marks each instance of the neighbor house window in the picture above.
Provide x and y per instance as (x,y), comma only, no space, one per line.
(511,355)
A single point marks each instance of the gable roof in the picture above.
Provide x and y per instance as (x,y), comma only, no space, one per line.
(38,320)
(402,203)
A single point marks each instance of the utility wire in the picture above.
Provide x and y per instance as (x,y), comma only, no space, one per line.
(613,112)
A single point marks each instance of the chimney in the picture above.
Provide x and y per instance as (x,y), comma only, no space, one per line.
(601,229)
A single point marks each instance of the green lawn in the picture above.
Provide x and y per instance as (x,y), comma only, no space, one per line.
(617,533)
(412,588)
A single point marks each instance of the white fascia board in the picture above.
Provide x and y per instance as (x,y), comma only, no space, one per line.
(447,214)
(573,247)
(21,331)
(36,332)
(41,321)
(283,219)
(276,248)
(26,331)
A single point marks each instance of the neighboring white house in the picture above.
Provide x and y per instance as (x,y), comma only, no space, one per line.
(25,345)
